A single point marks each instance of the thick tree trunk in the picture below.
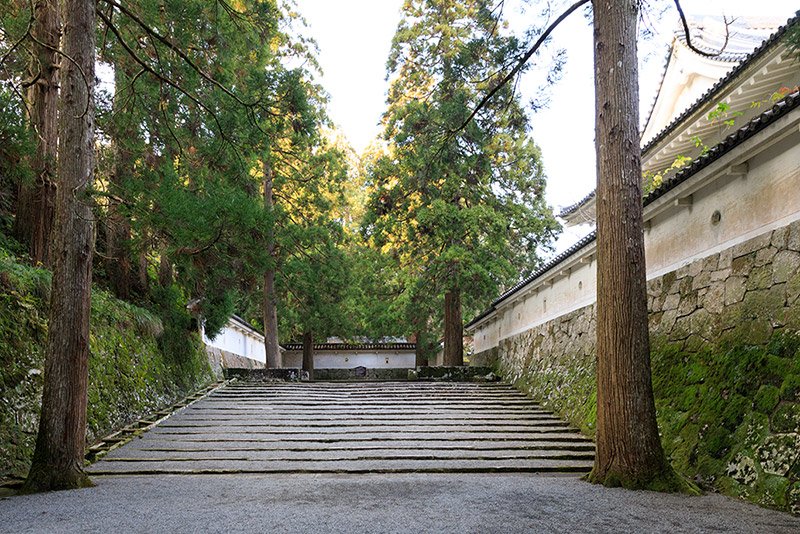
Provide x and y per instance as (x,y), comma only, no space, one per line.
(308,354)
(271,345)
(629,451)
(273,351)
(120,268)
(36,201)
(58,457)
(453,329)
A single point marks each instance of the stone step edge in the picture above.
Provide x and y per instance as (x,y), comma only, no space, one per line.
(432,470)
(562,447)
(122,436)
(573,437)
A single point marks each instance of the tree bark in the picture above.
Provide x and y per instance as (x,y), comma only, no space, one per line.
(308,354)
(453,329)
(58,457)
(271,346)
(421,349)
(36,202)
(629,451)
(165,274)
(140,278)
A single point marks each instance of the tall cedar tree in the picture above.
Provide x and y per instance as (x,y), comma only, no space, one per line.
(629,451)
(464,212)
(58,456)
(209,125)
(314,278)
(35,201)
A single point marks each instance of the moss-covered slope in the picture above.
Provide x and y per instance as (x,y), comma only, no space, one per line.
(139,362)
(730,417)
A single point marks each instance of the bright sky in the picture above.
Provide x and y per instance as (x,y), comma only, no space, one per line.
(354,37)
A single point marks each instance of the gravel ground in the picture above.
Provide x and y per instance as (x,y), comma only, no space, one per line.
(376,503)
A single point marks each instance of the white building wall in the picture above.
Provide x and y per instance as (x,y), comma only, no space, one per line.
(240,341)
(349,360)
(765,198)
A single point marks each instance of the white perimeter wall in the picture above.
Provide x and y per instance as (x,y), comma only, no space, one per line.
(349,360)
(765,197)
(237,340)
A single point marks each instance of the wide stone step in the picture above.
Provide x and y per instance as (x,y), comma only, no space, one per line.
(368,428)
(391,416)
(109,467)
(315,445)
(385,453)
(333,438)
(387,427)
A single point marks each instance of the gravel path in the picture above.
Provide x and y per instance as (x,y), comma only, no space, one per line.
(352,504)
(352,458)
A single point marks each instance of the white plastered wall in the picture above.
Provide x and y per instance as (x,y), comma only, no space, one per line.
(755,188)
(237,340)
(351,359)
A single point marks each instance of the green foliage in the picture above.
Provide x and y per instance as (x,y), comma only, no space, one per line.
(15,147)
(792,38)
(455,209)
(723,115)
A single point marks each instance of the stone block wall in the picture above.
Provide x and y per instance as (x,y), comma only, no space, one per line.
(725,333)
(744,293)
(219,360)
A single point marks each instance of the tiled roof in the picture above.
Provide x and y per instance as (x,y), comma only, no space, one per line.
(569,210)
(244,324)
(738,36)
(753,56)
(757,124)
(758,52)
(352,346)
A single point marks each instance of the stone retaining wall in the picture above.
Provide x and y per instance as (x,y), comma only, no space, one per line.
(220,360)
(726,367)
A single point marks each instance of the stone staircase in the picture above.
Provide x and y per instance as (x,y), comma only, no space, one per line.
(364,427)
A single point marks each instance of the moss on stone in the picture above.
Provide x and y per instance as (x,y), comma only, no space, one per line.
(767,398)
(790,388)
(719,409)
(130,373)
(786,418)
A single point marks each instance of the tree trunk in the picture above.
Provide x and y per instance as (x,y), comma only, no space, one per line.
(629,451)
(308,354)
(453,329)
(165,275)
(140,278)
(273,350)
(35,202)
(421,349)
(58,457)
(120,268)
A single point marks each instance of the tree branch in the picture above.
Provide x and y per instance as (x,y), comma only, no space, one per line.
(520,63)
(689,38)
(176,49)
(22,38)
(159,76)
